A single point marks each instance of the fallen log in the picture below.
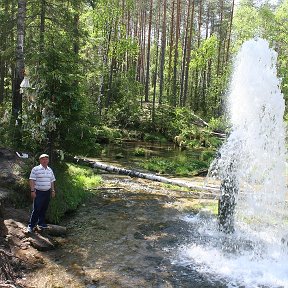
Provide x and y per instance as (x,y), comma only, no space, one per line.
(149,176)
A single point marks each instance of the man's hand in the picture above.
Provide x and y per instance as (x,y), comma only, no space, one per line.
(33,194)
(53,194)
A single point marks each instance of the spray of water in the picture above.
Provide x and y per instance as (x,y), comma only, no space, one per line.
(257,140)
(256,149)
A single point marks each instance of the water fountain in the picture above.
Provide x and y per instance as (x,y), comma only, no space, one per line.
(251,170)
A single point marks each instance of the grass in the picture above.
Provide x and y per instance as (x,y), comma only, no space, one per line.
(72,188)
(178,167)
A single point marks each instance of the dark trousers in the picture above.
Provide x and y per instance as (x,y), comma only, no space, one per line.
(40,206)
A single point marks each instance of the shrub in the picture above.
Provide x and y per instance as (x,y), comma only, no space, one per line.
(72,187)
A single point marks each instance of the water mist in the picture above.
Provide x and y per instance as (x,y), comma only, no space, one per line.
(251,166)
(256,145)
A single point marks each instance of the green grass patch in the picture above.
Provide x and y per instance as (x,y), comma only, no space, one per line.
(178,167)
(207,206)
(72,188)
(140,152)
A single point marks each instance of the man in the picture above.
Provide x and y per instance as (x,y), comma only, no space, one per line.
(41,182)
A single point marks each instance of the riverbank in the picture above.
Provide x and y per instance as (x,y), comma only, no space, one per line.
(120,237)
(18,249)
(124,236)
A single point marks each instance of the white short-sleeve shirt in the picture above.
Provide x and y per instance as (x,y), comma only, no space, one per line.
(42,177)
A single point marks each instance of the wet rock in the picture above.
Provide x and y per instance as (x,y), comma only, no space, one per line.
(170,240)
(154,259)
(284,240)
(138,235)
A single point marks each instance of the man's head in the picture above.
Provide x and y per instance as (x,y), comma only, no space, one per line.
(44,159)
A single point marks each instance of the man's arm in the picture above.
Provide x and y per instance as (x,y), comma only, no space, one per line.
(53,193)
(32,188)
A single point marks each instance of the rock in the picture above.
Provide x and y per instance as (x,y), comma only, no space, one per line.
(11,169)
(40,242)
(7,154)
(55,230)
(18,236)
(284,240)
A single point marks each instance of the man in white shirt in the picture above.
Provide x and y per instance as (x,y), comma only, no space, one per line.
(41,182)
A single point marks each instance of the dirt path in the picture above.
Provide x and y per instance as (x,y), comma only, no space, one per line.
(125,236)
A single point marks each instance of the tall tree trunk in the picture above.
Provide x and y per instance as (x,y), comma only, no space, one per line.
(2,75)
(183,71)
(148,54)
(171,44)
(176,54)
(76,33)
(218,72)
(229,33)
(156,66)
(197,80)
(142,40)
(113,64)
(42,28)
(163,50)
(19,72)
(188,56)
(205,70)
(3,47)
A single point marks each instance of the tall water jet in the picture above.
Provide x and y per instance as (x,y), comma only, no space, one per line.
(251,170)
(252,161)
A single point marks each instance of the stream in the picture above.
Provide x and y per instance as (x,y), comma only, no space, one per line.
(127,235)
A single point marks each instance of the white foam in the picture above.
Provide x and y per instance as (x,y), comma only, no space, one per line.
(244,259)
(246,270)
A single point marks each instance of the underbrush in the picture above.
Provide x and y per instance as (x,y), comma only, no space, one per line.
(178,167)
(72,188)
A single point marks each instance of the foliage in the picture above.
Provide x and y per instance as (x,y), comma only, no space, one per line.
(179,167)
(154,137)
(267,22)
(163,117)
(207,156)
(140,152)
(4,126)
(73,183)
(218,124)
(206,52)
(280,32)
(106,134)
(88,64)
(124,109)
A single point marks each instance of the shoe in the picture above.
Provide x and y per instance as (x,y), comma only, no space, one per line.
(43,226)
(29,229)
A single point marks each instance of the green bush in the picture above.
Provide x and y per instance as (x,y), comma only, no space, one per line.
(72,188)
(207,156)
(218,124)
(140,151)
(154,137)
(178,167)
(106,134)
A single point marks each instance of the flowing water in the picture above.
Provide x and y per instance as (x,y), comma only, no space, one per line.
(256,254)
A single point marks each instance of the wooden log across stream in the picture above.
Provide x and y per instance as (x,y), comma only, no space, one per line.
(149,176)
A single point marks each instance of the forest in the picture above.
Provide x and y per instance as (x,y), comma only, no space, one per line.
(76,74)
